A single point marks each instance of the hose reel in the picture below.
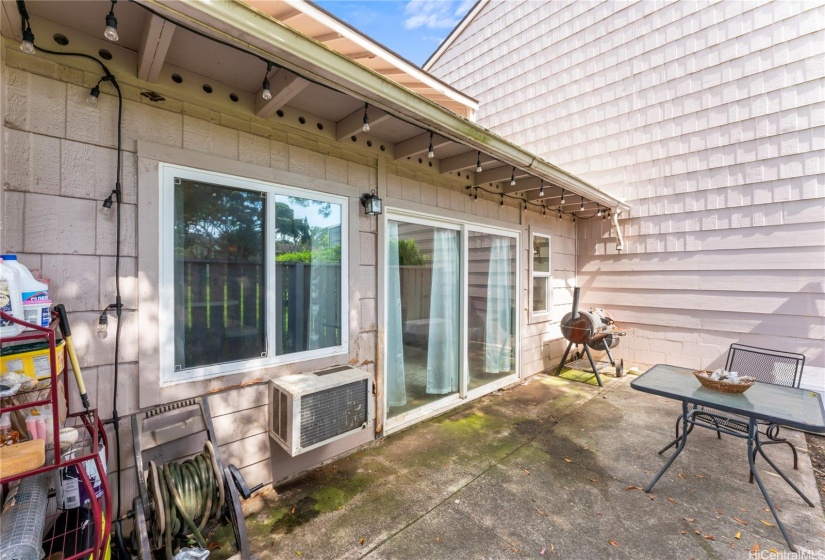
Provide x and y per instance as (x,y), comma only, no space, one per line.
(178,498)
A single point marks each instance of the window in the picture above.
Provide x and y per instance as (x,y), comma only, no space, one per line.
(251,274)
(542,282)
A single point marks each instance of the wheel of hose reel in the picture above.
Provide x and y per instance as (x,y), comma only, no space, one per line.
(156,503)
(236,518)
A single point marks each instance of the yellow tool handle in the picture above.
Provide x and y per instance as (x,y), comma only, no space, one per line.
(67,336)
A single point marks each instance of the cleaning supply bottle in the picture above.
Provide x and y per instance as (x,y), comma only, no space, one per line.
(8,436)
(35,294)
(11,301)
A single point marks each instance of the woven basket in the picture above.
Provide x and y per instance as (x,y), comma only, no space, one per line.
(722,386)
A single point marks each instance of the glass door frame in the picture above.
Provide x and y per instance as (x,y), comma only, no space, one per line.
(449,401)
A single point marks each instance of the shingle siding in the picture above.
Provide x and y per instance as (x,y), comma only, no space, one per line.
(708,119)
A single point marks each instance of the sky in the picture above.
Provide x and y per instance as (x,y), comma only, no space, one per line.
(411,28)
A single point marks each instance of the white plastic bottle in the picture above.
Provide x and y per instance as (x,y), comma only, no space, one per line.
(10,300)
(35,294)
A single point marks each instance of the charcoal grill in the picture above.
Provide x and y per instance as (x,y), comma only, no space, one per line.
(591,329)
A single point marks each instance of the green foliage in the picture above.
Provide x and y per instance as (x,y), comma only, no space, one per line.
(327,255)
(409,255)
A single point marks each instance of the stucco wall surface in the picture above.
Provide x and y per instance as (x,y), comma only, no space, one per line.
(708,119)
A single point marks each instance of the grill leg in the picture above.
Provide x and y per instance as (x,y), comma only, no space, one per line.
(593,365)
(607,349)
(564,359)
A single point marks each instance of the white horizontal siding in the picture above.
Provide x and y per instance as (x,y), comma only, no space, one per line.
(708,118)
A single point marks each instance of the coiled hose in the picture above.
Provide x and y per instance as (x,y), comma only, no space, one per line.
(186,495)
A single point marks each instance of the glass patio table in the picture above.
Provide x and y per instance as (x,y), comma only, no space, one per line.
(777,404)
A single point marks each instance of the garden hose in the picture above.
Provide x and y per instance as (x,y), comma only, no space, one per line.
(185,496)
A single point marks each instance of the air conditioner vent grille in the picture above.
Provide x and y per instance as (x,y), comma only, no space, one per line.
(333,411)
(283,415)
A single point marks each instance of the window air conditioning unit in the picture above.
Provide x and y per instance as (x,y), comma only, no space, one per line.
(309,410)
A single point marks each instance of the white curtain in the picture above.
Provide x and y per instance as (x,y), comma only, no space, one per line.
(497,336)
(396,386)
(442,346)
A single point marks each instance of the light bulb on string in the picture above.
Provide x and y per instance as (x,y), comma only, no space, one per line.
(502,200)
(599,213)
(27,45)
(541,189)
(430,152)
(111,25)
(366,127)
(478,162)
(93,96)
(266,93)
(475,196)
(543,210)
(562,196)
(581,207)
(513,178)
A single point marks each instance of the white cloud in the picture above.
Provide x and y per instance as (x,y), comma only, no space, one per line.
(435,14)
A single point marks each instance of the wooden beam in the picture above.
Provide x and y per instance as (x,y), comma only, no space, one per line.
(154,44)
(523,185)
(284,85)
(290,14)
(353,123)
(464,161)
(326,38)
(418,145)
(11,23)
(498,174)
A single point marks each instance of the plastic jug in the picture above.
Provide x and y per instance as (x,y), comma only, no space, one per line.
(35,294)
(10,299)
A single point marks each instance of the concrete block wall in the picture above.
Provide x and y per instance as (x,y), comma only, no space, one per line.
(707,118)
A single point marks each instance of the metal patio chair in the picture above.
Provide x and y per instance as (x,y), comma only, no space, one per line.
(767,366)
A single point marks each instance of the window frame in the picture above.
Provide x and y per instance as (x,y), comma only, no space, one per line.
(544,315)
(168,374)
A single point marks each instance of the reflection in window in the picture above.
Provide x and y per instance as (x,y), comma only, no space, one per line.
(219,281)
(307,274)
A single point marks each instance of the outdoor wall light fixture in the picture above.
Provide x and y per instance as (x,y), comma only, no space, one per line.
(366,127)
(373,206)
(430,152)
(111,25)
(266,93)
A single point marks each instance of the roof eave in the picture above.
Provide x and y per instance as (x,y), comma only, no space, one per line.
(240,23)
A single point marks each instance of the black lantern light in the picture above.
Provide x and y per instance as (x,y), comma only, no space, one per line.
(372,204)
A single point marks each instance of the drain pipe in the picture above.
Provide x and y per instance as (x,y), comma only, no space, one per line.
(619,241)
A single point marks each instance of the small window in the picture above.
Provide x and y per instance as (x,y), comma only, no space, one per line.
(251,274)
(542,279)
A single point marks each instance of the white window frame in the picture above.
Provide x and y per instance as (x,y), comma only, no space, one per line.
(463,227)
(168,374)
(544,315)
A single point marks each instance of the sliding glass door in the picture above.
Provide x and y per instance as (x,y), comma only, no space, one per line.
(491,309)
(423,315)
(451,313)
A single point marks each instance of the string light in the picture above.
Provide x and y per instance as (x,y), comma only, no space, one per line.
(502,200)
(475,196)
(525,205)
(478,162)
(604,217)
(543,210)
(430,152)
(266,93)
(111,25)
(366,127)
(513,178)
(27,45)
(581,208)
(541,189)
(599,213)
(559,213)
(94,94)
(562,196)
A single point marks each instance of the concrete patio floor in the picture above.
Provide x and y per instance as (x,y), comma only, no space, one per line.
(548,469)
